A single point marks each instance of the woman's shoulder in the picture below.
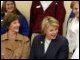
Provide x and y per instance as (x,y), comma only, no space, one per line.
(62,39)
(3,36)
(22,18)
(22,37)
(40,36)
(21,15)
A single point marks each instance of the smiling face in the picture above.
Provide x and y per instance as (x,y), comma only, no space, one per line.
(10,7)
(50,27)
(14,26)
(51,32)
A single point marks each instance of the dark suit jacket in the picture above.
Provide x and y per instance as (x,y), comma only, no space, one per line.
(58,48)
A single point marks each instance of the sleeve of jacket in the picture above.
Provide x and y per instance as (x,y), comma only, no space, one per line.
(3,29)
(32,52)
(26,49)
(32,15)
(24,27)
(64,51)
(60,14)
(60,11)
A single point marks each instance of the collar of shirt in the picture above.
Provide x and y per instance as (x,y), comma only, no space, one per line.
(5,37)
(46,44)
(45,4)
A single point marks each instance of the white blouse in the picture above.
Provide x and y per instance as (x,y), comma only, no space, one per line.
(46,44)
(73,34)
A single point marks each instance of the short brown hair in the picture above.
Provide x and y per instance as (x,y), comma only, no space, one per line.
(73,3)
(8,19)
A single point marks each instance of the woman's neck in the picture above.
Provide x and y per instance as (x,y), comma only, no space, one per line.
(12,35)
(8,13)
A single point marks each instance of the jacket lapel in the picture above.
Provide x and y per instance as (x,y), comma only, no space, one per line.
(51,48)
(42,46)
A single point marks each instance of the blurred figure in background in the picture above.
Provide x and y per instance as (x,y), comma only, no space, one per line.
(10,7)
(73,28)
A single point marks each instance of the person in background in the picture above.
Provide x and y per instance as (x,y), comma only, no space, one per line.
(10,7)
(72,15)
(41,9)
(13,44)
(73,29)
(49,44)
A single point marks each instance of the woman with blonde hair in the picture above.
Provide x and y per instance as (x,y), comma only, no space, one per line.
(49,45)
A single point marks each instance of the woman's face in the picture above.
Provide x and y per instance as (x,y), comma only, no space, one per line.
(10,6)
(76,10)
(51,32)
(14,26)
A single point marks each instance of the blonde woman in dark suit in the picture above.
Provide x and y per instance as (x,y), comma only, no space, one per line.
(49,45)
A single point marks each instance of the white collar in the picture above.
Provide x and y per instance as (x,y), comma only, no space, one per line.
(45,4)
(46,44)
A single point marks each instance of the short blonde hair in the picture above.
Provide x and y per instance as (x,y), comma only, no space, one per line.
(49,21)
